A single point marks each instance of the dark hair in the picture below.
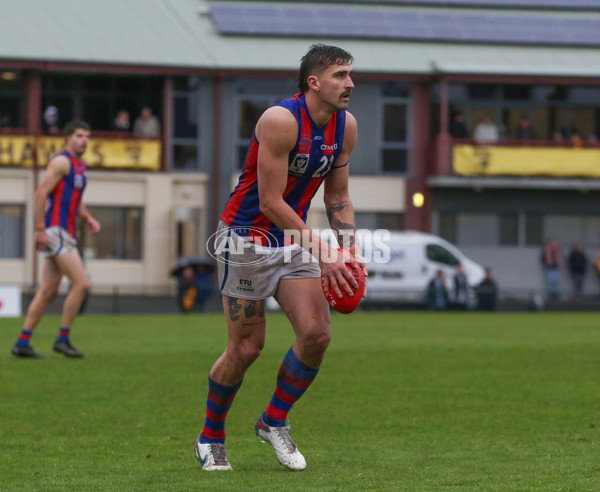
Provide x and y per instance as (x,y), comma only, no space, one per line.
(74,125)
(318,58)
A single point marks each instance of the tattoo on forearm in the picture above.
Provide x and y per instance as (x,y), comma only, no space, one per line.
(234,308)
(345,230)
(337,207)
(342,227)
(253,308)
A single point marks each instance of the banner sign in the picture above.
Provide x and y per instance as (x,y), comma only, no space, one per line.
(473,160)
(102,153)
(10,301)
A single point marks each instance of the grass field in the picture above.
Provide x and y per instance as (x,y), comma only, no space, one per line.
(404,401)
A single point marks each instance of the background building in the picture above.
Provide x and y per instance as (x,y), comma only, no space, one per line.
(207,70)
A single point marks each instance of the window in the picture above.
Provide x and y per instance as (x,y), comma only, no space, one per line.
(447,227)
(480,229)
(390,221)
(557,108)
(516,92)
(569,229)
(11,99)
(477,230)
(509,229)
(185,117)
(250,110)
(98,98)
(534,230)
(12,225)
(121,237)
(395,112)
(438,253)
(255,95)
(188,232)
(482,92)
(186,123)
(185,156)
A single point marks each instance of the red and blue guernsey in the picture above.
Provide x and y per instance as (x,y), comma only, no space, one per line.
(64,200)
(316,150)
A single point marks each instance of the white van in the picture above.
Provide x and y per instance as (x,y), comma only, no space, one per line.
(402,263)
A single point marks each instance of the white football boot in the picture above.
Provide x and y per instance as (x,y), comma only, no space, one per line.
(212,456)
(284,446)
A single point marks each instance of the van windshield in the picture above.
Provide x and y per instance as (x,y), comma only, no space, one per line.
(438,253)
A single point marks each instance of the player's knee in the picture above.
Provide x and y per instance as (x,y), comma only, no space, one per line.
(317,335)
(50,293)
(248,351)
(321,341)
(82,285)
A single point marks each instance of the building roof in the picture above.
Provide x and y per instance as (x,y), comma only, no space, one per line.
(185,34)
(396,24)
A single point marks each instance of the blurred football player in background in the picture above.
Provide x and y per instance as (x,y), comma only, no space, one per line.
(57,204)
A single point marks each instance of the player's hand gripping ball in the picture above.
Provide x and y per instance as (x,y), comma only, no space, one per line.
(347,303)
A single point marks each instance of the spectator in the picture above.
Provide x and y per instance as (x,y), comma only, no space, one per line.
(567,131)
(578,263)
(558,138)
(576,140)
(458,126)
(121,122)
(524,129)
(146,125)
(437,292)
(552,261)
(5,120)
(51,120)
(460,289)
(486,131)
(487,292)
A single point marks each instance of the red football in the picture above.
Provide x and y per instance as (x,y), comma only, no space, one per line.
(347,303)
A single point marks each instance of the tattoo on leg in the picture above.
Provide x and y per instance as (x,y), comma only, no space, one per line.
(251,309)
(234,308)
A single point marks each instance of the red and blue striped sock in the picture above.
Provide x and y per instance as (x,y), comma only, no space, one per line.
(220,398)
(293,380)
(63,334)
(24,337)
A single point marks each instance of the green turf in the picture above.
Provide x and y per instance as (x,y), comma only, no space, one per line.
(404,401)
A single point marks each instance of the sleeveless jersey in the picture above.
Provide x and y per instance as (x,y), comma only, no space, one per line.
(63,201)
(311,159)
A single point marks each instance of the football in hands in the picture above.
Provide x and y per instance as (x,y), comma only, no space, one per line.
(346,304)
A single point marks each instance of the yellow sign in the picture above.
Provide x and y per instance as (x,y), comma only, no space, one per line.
(526,161)
(102,153)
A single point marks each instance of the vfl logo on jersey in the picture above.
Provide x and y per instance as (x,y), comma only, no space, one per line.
(299,165)
(78,181)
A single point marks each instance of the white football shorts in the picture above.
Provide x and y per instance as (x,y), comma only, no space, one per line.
(59,242)
(250,271)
